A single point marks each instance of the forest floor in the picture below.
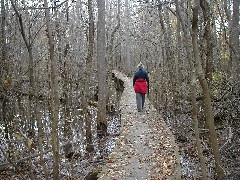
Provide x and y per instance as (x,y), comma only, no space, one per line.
(152,144)
(146,148)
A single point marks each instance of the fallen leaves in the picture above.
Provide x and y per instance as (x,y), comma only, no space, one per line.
(144,149)
(151,148)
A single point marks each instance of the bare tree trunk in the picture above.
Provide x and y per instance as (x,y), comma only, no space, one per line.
(127,66)
(66,103)
(178,62)
(206,93)
(101,59)
(40,139)
(193,92)
(169,54)
(62,50)
(3,36)
(208,36)
(110,46)
(32,82)
(32,90)
(88,74)
(4,73)
(6,104)
(170,57)
(233,26)
(54,96)
(234,41)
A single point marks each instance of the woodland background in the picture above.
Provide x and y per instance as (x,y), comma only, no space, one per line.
(58,99)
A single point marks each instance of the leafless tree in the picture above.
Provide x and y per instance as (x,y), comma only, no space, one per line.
(54,104)
(101,59)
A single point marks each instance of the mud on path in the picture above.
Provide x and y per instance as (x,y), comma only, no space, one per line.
(145,148)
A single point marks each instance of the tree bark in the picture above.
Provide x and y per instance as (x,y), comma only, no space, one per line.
(127,63)
(193,92)
(208,36)
(206,93)
(101,63)
(88,74)
(54,96)
(4,73)
(32,91)
(169,54)
(40,139)
(110,46)
(234,41)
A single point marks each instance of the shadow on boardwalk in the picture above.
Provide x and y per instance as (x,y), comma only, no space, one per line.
(145,148)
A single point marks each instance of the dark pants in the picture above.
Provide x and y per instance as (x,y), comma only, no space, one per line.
(140,98)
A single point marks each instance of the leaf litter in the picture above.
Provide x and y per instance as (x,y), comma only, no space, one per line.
(145,148)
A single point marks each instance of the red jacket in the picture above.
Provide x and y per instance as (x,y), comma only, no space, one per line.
(141,86)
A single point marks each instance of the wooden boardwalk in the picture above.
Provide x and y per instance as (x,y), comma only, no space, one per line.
(146,148)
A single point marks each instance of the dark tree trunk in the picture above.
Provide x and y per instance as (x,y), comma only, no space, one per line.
(206,93)
(101,63)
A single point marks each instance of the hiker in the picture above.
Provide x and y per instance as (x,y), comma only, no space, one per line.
(141,86)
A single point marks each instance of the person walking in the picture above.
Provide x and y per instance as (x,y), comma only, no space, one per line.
(141,86)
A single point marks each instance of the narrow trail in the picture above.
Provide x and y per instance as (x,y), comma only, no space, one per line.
(146,148)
